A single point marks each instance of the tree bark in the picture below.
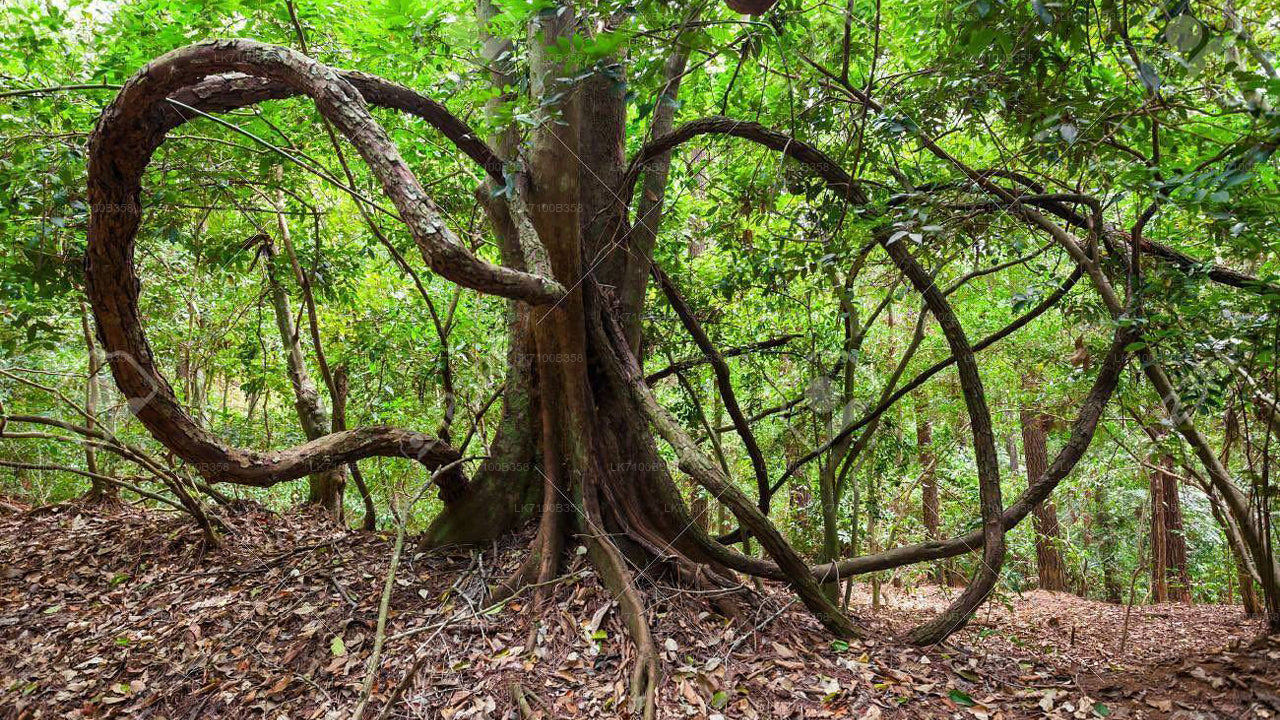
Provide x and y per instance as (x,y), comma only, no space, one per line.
(1159,539)
(1108,547)
(324,488)
(1234,500)
(930,510)
(1175,583)
(341,391)
(99,491)
(507,489)
(1049,565)
(589,416)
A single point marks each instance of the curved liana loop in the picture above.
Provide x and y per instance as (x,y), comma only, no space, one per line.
(840,182)
(224,93)
(128,133)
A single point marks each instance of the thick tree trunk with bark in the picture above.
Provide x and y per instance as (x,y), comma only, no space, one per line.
(576,446)
(1049,565)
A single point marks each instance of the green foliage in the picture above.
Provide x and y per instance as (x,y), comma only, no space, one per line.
(1065,92)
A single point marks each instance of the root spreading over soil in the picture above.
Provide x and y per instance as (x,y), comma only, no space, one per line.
(117,613)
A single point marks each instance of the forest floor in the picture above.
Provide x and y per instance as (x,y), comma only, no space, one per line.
(114,612)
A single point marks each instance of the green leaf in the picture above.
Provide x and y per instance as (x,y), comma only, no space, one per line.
(337,647)
(960,697)
(1101,710)
(1184,33)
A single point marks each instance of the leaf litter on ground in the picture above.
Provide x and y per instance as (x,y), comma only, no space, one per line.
(118,612)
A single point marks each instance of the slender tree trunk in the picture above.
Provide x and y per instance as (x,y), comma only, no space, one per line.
(830,550)
(1244,579)
(98,490)
(341,390)
(1245,574)
(930,513)
(1011,448)
(1177,582)
(324,488)
(1253,534)
(1159,539)
(1049,565)
(1108,546)
(799,493)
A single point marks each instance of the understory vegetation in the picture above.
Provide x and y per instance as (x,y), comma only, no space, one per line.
(786,307)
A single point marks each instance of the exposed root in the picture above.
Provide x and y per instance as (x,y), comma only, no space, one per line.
(647,672)
(197,511)
(623,367)
(101,496)
(540,566)
(521,702)
(726,595)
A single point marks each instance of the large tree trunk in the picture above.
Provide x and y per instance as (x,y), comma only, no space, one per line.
(1049,565)
(586,429)
(507,489)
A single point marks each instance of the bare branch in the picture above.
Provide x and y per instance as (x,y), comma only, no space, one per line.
(723,382)
(682,365)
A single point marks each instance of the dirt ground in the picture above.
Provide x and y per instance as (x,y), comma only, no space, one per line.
(117,613)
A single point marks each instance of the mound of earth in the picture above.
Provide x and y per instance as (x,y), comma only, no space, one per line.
(117,612)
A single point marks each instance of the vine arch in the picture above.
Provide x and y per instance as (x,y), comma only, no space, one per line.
(601,473)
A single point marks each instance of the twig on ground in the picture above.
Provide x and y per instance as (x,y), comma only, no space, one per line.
(439,628)
(759,626)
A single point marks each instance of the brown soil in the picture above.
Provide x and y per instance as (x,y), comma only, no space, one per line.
(114,612)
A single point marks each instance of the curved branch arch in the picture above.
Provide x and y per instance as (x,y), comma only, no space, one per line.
(225,93)
(994,518)
(128,133)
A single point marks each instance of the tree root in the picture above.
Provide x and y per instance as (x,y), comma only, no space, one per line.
(623,368)
(521,702)
(539,565)
(608,561)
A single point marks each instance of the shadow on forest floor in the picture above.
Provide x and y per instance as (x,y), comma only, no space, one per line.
(114,613)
